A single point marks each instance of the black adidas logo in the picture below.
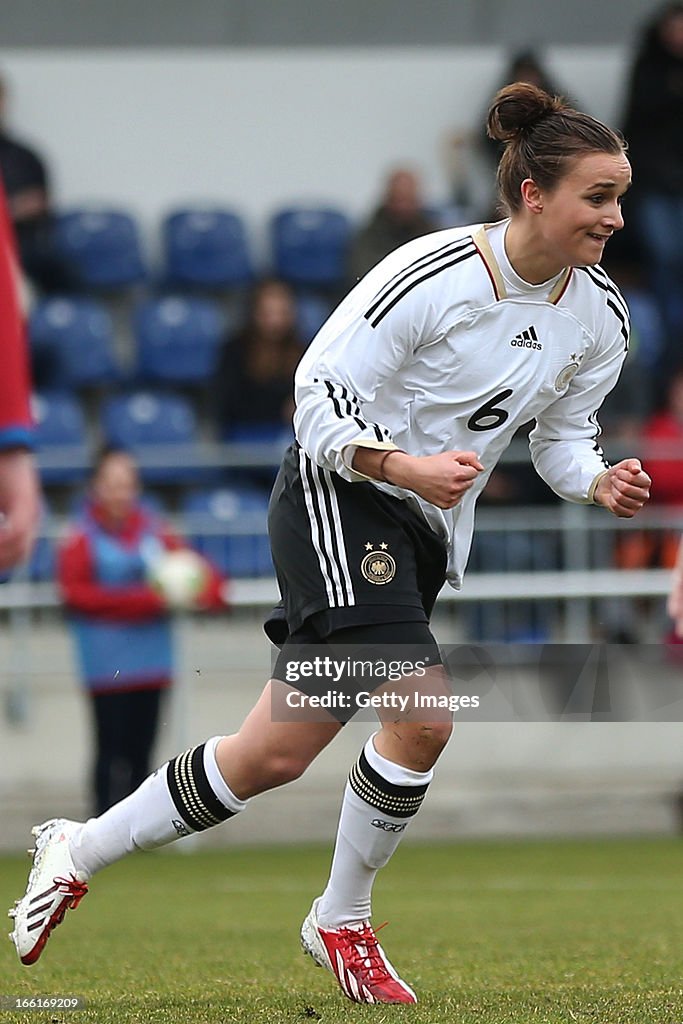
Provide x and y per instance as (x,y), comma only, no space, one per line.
(527,339)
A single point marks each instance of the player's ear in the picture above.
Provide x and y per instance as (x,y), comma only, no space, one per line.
(532,196)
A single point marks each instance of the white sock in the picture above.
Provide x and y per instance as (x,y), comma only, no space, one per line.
(188,794)
(380,800)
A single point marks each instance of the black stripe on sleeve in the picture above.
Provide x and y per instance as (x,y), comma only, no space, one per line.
(598,274)
(615,301)
(353,413)
(593,418)
(419,280)
(451,249)
(417,264)
(624,328)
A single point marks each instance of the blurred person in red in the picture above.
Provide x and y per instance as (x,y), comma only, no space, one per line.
(120,623)
(664,431)
(19,486)
(674,604)
(663,436)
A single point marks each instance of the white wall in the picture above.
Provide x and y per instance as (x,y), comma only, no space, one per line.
(258,128)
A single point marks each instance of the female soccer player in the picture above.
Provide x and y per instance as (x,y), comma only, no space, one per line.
(405,400)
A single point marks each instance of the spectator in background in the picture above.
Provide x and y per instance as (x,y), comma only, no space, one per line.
(400,217)
(665,429)
(653,126)
(25,177)
(523,66)
(253,384)
(120,624)
(663,436)
(19,486)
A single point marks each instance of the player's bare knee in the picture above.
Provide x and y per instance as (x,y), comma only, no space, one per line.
(417,745)
(428,740)
(283,767)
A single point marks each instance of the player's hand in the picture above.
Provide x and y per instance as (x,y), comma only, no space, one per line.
(19,507)
(624,488)
(440,479)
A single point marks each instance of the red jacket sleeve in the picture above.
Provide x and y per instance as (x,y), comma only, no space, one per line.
(81,592)
(666,473)
(15,388)
(214,596)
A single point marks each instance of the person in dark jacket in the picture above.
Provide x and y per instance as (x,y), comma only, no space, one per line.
(652,126)
(26,178)
(253,386)
(400,217)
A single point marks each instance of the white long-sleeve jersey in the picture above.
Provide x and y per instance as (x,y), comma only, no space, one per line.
(442,347)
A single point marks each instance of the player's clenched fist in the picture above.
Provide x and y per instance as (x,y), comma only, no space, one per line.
(440,479)
(624,488)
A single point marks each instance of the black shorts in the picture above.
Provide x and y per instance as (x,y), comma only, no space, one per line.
(345,668)
(347,554)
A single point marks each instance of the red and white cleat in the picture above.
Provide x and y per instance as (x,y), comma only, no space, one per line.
(356,959)
(53,887)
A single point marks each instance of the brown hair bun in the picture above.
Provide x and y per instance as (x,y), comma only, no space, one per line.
(517,108)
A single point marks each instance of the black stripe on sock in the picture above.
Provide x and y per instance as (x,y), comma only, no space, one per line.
(206,794)
(370,786)
(191,792)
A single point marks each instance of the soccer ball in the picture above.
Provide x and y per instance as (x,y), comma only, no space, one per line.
(180,577)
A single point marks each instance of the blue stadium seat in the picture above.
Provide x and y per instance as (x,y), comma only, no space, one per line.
(177,339)
(311,313)
(310,246)
(161,431)
(73,338)
(206,248)
(279,435)
(61,437)
(229,526)
(102,247)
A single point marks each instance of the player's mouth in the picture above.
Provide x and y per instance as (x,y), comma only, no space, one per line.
(599,238)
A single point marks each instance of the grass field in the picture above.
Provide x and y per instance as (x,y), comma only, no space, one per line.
(492,933)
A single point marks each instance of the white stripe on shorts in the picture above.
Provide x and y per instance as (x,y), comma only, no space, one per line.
(333,566)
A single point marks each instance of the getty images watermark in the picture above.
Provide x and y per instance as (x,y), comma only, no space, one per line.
(486,683)
(342,694)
